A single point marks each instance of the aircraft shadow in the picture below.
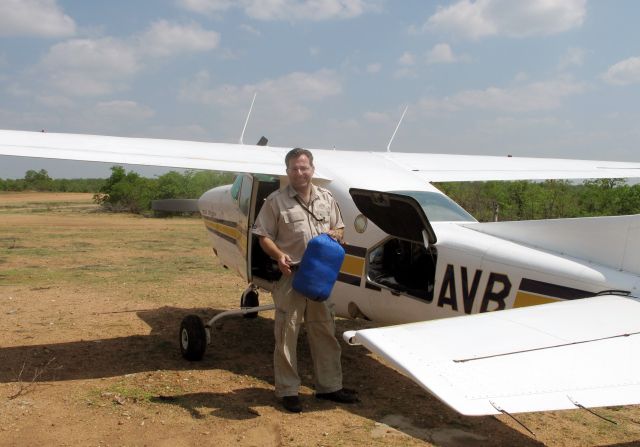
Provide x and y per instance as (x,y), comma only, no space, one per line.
(245,346)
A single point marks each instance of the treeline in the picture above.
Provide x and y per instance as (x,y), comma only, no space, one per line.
(124,191)
(525,200)
(486,201)
(40,181)
(128,191)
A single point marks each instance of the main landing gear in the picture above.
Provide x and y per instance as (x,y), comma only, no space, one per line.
(195,335)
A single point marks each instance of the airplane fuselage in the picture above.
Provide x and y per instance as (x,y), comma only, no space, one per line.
(391,280)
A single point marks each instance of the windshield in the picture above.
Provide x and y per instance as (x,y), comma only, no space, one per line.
(438,207)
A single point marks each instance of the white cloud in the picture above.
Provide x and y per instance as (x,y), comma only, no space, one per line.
(374,68)
(250,29)
(206,6)
(481,18)
(123,110)
(574,57)
(442,53)
(34,18)
(166,39)
(88,67)
(96,67)
(377,117)
(314,10)
(407,59)
(286,95)
(405,73)
(624,72)
(535,96)
(55,101)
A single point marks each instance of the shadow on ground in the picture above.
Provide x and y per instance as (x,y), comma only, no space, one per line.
(244,346)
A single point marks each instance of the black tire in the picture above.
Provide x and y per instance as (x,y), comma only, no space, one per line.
(250,299)
(193,338)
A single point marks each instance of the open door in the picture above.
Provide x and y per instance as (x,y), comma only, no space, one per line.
(405,262)
(262,269)
(396,214)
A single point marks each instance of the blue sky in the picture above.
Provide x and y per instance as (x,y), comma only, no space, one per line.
(547,78)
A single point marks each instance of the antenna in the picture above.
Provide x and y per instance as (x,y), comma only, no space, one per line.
(397,127)
(247,120)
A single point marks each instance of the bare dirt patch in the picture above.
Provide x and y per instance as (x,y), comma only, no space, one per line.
(90,306)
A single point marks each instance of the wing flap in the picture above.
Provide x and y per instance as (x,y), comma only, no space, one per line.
(538,358)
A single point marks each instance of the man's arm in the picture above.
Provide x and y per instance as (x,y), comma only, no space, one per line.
(270,248)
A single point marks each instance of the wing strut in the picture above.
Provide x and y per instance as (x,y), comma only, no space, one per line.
(582,407)
(493,404)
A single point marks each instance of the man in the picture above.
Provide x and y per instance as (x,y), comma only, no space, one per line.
(287,221)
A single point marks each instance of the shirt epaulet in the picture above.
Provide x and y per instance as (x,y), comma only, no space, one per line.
(324,190)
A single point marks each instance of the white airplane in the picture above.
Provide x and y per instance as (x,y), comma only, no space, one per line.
(414,255)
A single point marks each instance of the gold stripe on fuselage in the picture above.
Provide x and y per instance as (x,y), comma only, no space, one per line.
(352,265)
(524,299)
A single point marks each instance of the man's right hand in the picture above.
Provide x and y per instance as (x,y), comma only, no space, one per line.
(284,264)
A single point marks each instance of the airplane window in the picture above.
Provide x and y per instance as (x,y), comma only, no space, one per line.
(245,195)
(438,207)
(235,188)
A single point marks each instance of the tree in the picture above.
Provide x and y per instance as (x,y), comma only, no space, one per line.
(37,180)
(126,191)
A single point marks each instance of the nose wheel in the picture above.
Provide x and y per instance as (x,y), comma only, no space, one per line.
(193,338)
(250,298)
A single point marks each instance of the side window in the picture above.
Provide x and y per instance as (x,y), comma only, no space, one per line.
(235,188)
(245,194)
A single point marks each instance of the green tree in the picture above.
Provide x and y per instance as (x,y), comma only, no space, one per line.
(38,180)
(126,191)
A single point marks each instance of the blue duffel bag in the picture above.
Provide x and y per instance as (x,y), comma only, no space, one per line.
(319,268)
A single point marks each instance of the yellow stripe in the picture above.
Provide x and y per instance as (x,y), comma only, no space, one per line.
(352,265)
(524,299)
(224,229)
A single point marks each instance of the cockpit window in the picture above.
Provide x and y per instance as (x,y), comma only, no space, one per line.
(235,188)
(438,207)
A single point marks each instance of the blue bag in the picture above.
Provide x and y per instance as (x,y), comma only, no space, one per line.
(319,268)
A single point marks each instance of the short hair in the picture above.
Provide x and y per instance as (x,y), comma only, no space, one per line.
(297,152)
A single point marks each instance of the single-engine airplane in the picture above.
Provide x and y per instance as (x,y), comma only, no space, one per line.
(428,272)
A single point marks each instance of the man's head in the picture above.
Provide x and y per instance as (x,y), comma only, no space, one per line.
(299,168)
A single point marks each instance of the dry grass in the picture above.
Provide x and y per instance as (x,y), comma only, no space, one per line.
(104,295)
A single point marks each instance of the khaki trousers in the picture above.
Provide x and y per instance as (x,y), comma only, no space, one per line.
(291,309)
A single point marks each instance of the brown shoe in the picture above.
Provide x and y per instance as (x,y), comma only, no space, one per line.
(292,404)
(342,396)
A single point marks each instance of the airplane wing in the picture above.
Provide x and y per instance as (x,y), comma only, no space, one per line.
(145,151)
(447,168)
(269,160)
(548,357)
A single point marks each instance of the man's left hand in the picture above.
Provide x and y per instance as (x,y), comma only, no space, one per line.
(336,234)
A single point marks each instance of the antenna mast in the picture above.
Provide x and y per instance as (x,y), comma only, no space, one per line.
(397,127)
(247,120)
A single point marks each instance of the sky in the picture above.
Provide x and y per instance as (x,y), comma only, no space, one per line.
(541,78)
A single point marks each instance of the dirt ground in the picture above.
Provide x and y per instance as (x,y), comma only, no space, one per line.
(90,307)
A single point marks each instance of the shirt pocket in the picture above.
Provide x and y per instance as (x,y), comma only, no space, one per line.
(295,220)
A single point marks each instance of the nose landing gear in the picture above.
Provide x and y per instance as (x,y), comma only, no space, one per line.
(195,335)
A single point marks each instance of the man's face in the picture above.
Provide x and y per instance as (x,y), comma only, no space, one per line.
(300,172)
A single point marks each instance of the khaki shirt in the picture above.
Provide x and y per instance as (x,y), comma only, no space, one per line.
(286,222)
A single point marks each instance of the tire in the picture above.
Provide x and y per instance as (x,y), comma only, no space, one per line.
(193,338)
(250,299)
